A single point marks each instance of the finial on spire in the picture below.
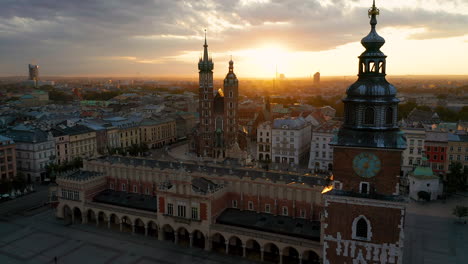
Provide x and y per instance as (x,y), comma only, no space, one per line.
(374,11)
(205,36)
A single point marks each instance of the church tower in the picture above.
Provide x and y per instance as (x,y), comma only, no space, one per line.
(231,98)
(205,106)
(364,214)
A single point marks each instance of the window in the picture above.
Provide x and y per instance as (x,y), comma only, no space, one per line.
(181,210)
(250,205)
(436,149)
(135,189)
(302,213)
(267,208)
(124,187)
(410,162)
(170,209)
(369,116)
(111,186)
(364,188)
(458,157)
(361,228)
(147,191)
(285,211)
(411,151)
(450,157)
(194,213)
(389,116)
(435,157)
(234,203)
(419,151)
(411,142)
(337,185)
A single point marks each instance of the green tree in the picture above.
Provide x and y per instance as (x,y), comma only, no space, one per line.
(19,182)
(456,178)
(460,211)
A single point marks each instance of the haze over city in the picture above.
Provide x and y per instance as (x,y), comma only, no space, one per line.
(164,38)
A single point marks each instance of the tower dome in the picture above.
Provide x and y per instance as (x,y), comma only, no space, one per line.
(371,104)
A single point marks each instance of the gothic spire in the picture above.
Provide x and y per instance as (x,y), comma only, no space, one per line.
(205,64)
(205,50)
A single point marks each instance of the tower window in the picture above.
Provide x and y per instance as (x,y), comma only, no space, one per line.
(361,229)
(364,188)
(371,67)
(369,116)
(389,116)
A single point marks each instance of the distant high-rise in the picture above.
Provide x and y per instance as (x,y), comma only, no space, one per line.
(33,72)
(317,78)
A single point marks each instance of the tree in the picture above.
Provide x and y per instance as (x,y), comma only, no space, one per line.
(460,211)
(456,178)
(19,182)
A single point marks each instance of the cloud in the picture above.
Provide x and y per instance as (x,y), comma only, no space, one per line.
(65,36)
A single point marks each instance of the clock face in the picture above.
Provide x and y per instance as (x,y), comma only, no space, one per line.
(366,165)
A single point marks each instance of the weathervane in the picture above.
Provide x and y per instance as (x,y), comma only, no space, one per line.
(374,10)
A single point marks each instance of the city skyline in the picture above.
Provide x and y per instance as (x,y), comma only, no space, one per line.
(160,38)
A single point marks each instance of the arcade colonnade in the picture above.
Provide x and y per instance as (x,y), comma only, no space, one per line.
(184,235)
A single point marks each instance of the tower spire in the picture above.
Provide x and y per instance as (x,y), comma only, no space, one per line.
(205,50)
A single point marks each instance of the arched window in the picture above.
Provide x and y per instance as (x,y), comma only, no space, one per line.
(369,116)
(361,229)
(371,67)
(389,116)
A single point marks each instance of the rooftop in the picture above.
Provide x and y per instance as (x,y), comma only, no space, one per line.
(284,225)
(126,199)
(274,176)
(289,123)
(79,175)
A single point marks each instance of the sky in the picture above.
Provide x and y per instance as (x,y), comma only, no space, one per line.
(165,37)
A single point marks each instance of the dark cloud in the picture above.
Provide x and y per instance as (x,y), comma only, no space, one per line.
(66,36)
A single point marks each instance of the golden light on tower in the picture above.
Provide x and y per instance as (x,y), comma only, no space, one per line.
(329,187)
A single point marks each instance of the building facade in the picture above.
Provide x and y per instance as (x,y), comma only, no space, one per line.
(321,152)
(156,133)
(457,151)
(364,214)
(72,142)
(35,149)
(262,216)
(436,144)
(413,154)
(264,142)
(7,158)
(290,140)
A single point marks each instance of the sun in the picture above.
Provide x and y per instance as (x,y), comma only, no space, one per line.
(266,60)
